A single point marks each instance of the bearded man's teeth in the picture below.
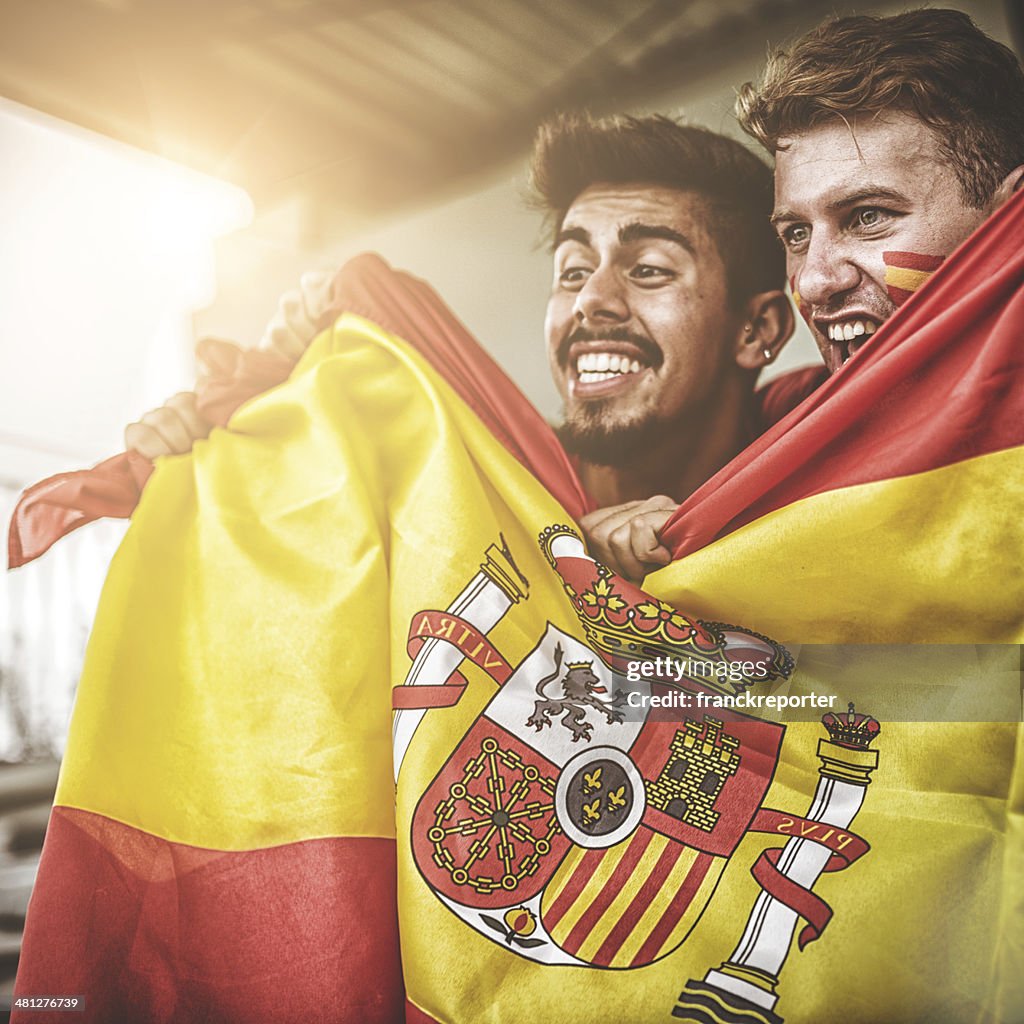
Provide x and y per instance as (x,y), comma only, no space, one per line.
(596,366)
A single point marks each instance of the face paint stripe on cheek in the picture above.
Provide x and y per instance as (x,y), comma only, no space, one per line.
(803,309)
(905,272)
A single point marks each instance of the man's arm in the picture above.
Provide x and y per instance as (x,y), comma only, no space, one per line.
(170,430)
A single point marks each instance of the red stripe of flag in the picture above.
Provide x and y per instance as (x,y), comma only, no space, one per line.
(567,897)
(673,914)
(619,877)
(651,887)
(414,1015)
(149,930)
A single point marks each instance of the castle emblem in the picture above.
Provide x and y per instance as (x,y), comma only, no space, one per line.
(701,758)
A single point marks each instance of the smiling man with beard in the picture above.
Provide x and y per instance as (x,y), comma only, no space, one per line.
(666,302)
(665,299)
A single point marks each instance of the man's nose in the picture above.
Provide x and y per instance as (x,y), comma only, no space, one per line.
(602,299)
(827,270)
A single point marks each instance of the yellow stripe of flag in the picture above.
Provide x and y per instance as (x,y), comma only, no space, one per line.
(267,720)
(862,564)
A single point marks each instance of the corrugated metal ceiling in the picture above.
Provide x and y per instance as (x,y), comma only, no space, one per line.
(353,105)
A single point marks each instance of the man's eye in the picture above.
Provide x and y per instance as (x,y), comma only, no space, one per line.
(870,217)
(572,277)
(651,274)
(795,237)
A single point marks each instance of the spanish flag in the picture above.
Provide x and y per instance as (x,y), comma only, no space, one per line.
(354,740)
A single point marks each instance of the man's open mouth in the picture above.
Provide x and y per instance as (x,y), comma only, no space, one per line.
(602,366)
(846,336)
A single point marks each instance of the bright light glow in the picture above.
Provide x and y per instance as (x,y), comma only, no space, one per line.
(105,254)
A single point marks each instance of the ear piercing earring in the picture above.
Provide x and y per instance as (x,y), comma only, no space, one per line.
(766,352)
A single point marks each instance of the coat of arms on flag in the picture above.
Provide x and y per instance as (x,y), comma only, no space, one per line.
(575,824)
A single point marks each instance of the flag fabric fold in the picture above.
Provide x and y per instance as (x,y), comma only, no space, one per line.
(237,684)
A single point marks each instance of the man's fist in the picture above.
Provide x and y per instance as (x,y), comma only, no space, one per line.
(625,537)
(170,430)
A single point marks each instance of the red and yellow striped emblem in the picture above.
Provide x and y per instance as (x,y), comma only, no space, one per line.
(631,904)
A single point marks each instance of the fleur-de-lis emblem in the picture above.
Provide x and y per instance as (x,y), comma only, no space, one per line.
(617,799)
(591,781)
(592,812)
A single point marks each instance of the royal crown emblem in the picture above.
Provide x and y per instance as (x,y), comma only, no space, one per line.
(623,623)
(851,729)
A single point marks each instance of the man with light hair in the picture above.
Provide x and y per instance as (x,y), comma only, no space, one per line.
(894,139)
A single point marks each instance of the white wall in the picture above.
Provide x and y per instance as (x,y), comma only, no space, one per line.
(104,254)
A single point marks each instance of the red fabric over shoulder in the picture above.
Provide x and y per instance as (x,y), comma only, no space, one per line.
(781,396)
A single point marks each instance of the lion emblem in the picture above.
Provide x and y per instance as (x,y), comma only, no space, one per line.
(580,687)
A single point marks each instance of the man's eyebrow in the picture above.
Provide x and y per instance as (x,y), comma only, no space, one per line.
(887,195)
(581,235)
(637,230)
(866,193)
(783,215)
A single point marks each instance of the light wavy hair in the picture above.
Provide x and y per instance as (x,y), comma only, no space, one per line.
(935,64)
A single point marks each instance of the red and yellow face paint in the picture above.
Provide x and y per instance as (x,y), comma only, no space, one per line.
(905,272)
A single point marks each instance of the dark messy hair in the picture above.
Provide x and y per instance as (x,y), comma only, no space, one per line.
(935,64)
(574,151)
